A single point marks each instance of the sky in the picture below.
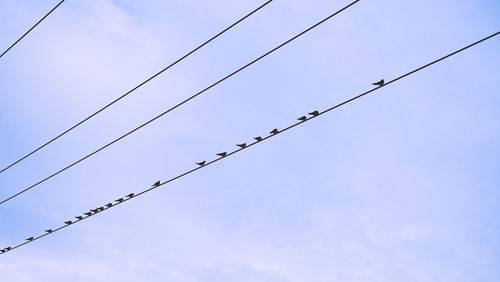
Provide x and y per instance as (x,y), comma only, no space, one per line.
(401,185)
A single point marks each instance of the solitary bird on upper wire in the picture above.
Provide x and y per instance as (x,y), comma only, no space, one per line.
(379,83)
(156,184)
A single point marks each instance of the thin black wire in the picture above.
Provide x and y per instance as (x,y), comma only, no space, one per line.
(178,105)
(135,88)
(29,30)
(269,136)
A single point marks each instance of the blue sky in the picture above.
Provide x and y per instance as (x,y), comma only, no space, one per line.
(399,186)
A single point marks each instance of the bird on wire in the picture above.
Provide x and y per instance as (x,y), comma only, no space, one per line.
(274,131)
(302,118)
(49,230)
(156,184)
(130,195)
(79,217)
(223,154)
(30,239)
(379,83)
(258,138)
(68,222)
(119,200)
(242,145)
(201,163)
(315,113)
(87,213)
(109,205)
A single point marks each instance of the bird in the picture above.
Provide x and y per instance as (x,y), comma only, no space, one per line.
(201,163)
(88,213)
(119,200)
(2,251)
(258,138)
(315,113)
(49,230)
(379,83)
(223,154)
(30,239)
(94,211)
(242,145)
(109,205)
(79,217)
(130,195)
(100,208)
(8,248)
(156,184)
(274,131)
(302,118)
(68,222)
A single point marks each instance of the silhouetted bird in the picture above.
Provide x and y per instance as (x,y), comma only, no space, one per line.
(302,118)
(8,248)
(223,154)
(156,184)
(380,83)
(68,222)
(48,230)
(242,145)
(2,251)
(79,217)
(201,163)
(274,131)
(119,200)
(258,138)
(109,205)
(88,213)
(94,211)
(315,113)
(100,208)
(130,195)
(30,239)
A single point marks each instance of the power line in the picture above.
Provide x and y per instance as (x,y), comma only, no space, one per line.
(313,115)
(178,105)
(33,27)
(136,87)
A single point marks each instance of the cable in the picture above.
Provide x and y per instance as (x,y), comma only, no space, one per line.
(263,139)
(33,27)
(135,88)
(178,105)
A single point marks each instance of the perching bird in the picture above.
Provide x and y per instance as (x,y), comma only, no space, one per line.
(242,145)
(100,208)
(223,154)
(119,200)
(8,248)
(79,217)
(48,230)
(201,163)
(130,195)
(30,239)
(274,131)
(94,211)
(258,138)
(68,222)
(109,205)
(156,184)
(302,118)
(380,83)
(315,113)
(88,213)
(2,251)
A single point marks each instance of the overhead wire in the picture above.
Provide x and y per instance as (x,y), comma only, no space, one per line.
(29,30)
(136,87)
(179,104)
(314,114)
